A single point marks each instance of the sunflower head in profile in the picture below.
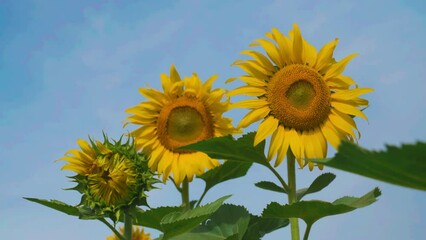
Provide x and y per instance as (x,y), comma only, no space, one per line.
(137,234)
(300,96)
(185,112)
(109,175)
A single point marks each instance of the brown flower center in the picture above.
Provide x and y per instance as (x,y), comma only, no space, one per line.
(299,97)
(184,121)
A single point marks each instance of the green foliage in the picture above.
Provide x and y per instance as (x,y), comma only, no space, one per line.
(229,222)
(152,217)
(226,171)
(317,185)
(57,205)
(311,211)
(176,223)
(233,222)
(404,166)
(270,186)
(228,148)
(260,226)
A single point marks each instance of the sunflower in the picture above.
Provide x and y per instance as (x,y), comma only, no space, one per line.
(108,174)
(137,234)
(186,112)
(302,97)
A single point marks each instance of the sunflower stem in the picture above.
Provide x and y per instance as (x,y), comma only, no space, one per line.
(201,198)
(291,172)
(127,226)
(308,229)
(283,183)
(185,194)
(118,234)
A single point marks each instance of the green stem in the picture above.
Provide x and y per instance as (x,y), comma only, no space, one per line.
(291,172)
(185,194)
(201,198)
(285,186)
(112,228)
(176,186)
(308,229)
(127,226)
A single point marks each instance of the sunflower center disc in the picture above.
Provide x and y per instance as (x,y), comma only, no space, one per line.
(184,124)
(299,97)
(300,94)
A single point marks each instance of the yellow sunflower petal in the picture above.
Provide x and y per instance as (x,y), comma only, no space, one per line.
(209,83)
(282,151)
(253,116)
(249,91)
(260,58)
(284,45)
(330,133)
(84,145)
(250,103)
(153,95)
(253,70)
(276,142)
(298,45)
(341,123)
(272,52)
(349,109)
(296,142)
(251,81)
(174,75)
(325,55)
(266,128)
(337,68)
(350,94)
(310,53)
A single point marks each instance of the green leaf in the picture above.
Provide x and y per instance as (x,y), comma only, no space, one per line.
(152,217)
(259,226)
(228,148)
(270,186)
(317,185)
(226,171)
(404,166)
(177,223)
(311,211)
(57,205)
(229,222)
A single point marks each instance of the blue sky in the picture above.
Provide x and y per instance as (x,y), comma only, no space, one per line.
(68,69)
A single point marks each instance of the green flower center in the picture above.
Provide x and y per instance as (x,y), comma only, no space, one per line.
(301,94)
(184,124)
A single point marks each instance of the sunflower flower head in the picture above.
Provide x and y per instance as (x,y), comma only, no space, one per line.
(110,175)
(185,112)
(300,96)
(137,234)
